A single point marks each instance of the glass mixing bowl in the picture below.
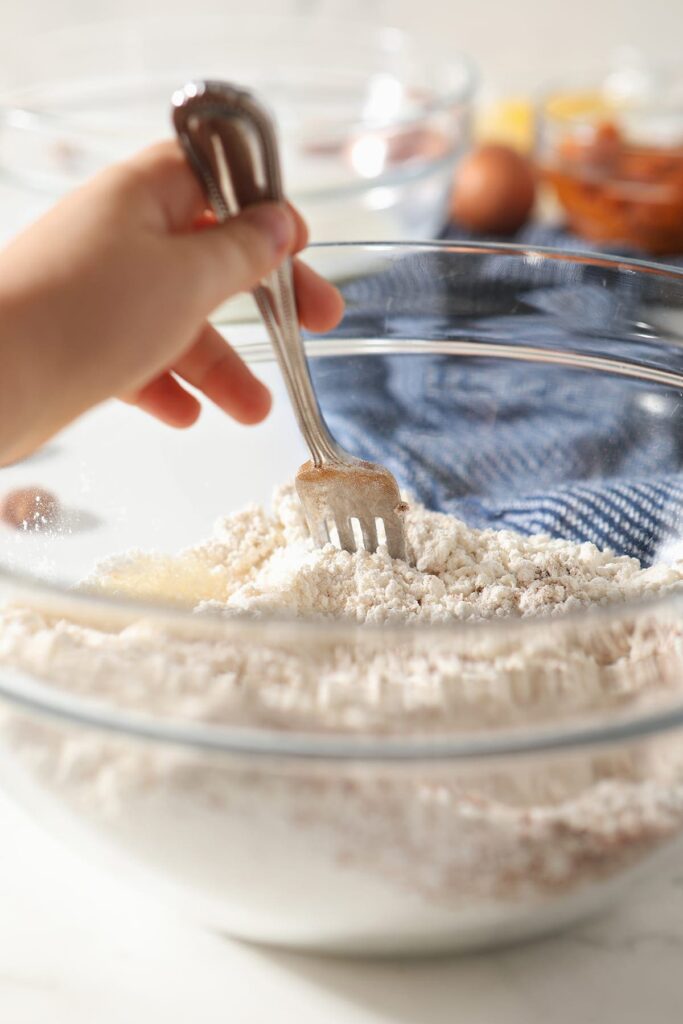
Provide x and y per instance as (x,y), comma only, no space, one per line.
(372,119)
(465,784)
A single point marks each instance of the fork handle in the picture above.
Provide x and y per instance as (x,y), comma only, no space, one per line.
(283,329)
(230,142)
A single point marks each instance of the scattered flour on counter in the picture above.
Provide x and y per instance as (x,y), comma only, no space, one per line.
(437,832)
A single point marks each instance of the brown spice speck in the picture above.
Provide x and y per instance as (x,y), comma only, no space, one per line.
(29,508)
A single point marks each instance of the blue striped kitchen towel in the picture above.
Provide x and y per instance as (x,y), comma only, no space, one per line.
(508,444)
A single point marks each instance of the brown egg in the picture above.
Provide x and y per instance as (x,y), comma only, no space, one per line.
(493,190)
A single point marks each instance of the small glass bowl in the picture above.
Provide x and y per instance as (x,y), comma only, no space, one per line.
(403,807)
(372,120)
(614,157)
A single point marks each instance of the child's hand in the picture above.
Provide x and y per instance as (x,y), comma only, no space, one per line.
(108,294)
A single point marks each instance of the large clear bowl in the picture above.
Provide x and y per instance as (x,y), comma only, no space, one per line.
(372,120)
(471,784)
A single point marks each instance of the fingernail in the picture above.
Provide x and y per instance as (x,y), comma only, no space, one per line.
(275,220)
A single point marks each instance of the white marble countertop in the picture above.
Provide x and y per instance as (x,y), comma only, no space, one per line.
(77,948)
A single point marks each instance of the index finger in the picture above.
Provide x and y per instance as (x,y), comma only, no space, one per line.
(162,172)
(208,219)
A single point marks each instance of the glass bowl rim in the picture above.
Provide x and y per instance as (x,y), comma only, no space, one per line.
(156,25)
(603,728)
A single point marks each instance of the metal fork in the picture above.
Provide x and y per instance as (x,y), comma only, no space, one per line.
(230,142)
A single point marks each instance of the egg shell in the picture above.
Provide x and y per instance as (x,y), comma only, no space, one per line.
(494,190)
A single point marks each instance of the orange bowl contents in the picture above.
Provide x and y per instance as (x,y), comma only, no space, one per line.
(615,181)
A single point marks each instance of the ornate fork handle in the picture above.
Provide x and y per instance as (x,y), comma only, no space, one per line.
(230,141)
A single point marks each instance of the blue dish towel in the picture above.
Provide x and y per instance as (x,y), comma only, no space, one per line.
(510,445)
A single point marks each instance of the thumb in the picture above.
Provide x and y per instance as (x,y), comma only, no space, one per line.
(233,257)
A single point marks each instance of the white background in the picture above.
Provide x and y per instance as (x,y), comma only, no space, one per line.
(516,44)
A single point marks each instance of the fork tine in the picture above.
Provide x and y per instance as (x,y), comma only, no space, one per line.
(319,531)
(347,541)
(369,534)
(353,499)
(396,545)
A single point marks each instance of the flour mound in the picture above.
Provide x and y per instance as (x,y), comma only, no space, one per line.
(264,563)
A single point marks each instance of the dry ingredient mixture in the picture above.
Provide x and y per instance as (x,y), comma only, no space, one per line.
(260,564)
(446,833)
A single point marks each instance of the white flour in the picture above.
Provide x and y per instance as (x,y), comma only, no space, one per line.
(263,563)
(505,835)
